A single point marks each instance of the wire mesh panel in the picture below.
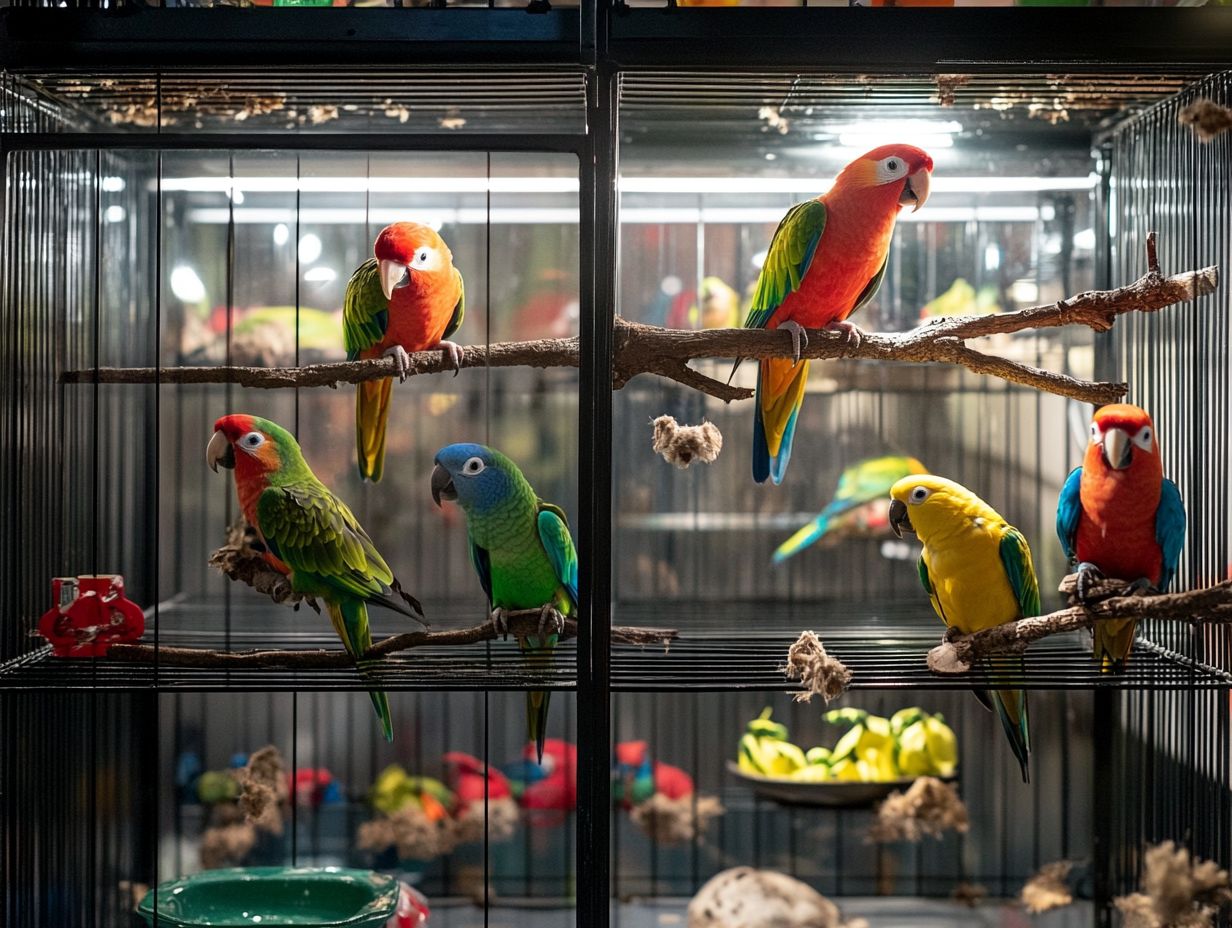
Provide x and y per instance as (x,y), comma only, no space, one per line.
(1170,760)
(123,253)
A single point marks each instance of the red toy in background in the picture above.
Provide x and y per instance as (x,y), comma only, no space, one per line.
(638,777)
(91,614)
(466,779)
(548,790)
(412,909)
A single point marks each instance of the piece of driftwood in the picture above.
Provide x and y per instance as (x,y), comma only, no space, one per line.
(648,349)
(958,653)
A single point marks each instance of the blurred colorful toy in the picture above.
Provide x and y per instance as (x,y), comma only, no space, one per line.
(962,299)
(549,786)
(91,614)
(718,307)
(412,909)
(313,788)
(550,310)
(395,790)
(637,777)
(467,777)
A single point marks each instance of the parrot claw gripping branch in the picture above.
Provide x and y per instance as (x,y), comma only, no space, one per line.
(650,349)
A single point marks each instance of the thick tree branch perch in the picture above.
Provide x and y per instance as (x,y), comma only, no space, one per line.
(547,352)
(646,349)
(1209,605)
(521,624)
(240,560)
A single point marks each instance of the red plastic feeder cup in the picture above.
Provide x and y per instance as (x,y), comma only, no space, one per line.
(91,614)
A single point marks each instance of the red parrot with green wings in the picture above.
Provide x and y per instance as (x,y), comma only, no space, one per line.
(826,260)
(408,297)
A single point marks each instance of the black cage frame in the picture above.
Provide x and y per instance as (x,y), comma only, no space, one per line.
(606,40)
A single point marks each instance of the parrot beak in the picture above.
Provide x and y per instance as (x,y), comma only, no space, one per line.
(219,451)
(1118,451)
(899,521)
(915,190)
(393,276)
(442,485)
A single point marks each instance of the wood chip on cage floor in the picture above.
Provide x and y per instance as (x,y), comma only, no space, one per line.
(929,808)
(1180,892)
(1048,889)
(670,821)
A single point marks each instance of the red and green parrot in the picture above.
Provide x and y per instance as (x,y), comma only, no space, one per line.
(826,261)
(1118,517)
(520,547)
(309,534)
(407,297)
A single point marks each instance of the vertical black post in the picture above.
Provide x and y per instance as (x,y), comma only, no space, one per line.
(598,254)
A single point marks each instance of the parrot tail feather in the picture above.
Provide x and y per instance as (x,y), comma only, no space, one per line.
(537,720)
(371,417)
(350,621)
(539,653)
(1113,642)
(780,393)
(1011,708)
(810,533)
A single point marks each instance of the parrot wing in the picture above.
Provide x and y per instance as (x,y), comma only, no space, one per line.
(459,310)
(1016,558)
(872,478)
(365,311)
(313,532)
(860,483)
(558,543)
(788,259)
(922,567)
(482,562)
(1169,531)
(870,291)
(1069,511)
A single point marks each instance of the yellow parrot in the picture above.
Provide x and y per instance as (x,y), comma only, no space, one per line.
(977,571)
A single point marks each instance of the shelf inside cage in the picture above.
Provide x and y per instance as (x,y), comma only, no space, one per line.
(210,625)
(731,646)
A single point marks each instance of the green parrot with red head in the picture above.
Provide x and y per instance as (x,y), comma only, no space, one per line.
(309,534)
(1118,516)
(826,260)
(407,297)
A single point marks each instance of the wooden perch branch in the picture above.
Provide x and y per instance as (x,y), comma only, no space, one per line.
(240,560)
(647,349)
(521,624)
(1106,601)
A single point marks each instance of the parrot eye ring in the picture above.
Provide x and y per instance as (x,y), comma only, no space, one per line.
(919,494)
(253,440)
(473,466)
(1095,433)
(1143,438)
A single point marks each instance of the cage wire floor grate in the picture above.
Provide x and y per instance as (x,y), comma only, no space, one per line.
(212,625)
(885,647)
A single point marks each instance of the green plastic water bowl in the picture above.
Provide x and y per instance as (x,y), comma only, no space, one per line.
(311,897)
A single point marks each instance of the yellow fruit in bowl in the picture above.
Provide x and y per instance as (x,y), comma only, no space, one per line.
(814,773)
